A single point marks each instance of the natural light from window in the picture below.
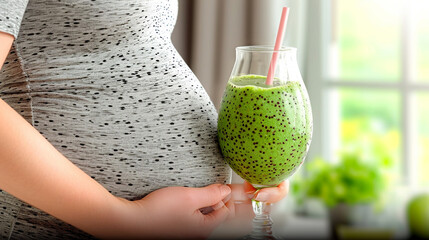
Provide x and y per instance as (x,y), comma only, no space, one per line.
(378,81)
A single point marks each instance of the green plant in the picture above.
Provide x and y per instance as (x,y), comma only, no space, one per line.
(351,181)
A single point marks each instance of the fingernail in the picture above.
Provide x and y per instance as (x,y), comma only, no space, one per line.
(225,190)
(262,197)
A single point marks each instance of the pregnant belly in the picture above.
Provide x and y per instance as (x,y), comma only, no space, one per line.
(135,124)
(135,138)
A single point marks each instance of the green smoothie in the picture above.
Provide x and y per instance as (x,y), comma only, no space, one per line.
(264,131)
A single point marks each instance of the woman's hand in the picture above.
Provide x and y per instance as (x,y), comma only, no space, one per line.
(174,212)
(239,222)
(243,193)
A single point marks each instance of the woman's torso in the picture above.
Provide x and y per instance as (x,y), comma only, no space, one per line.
(103,83)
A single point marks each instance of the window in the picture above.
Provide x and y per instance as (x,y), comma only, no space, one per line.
(370,86)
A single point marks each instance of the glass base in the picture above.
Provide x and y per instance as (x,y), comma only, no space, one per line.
(262,223)
(261,230)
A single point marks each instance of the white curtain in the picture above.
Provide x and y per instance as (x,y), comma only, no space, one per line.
(208,31)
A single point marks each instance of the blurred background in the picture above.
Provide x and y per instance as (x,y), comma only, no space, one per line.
(366,67)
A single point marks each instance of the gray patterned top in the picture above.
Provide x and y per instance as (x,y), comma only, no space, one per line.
(102,82)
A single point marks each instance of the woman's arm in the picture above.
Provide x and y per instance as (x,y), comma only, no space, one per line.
(34,171)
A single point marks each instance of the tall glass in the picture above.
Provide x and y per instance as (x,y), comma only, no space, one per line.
(264,130)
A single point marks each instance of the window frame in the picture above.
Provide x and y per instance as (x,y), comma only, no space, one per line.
(320,87)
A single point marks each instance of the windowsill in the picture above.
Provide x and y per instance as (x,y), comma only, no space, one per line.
(315,225)
(392,218)
(300,227)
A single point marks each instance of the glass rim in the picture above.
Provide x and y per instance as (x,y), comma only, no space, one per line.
(265,48)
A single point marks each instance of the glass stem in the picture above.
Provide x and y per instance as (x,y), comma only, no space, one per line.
(262,223)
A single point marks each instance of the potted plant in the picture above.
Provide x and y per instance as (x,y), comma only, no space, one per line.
(349,188)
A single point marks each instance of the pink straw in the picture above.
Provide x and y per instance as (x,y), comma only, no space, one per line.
(279,40)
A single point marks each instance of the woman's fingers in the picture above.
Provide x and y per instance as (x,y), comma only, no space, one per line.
(209,196)
(216,217)
(245,192)
(248,188)
(273,194)
(239,194)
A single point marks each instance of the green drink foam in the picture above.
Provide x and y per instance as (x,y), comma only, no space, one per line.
(264,131)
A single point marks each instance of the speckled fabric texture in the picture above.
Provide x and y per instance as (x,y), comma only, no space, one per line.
(11,12)
(101,80)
